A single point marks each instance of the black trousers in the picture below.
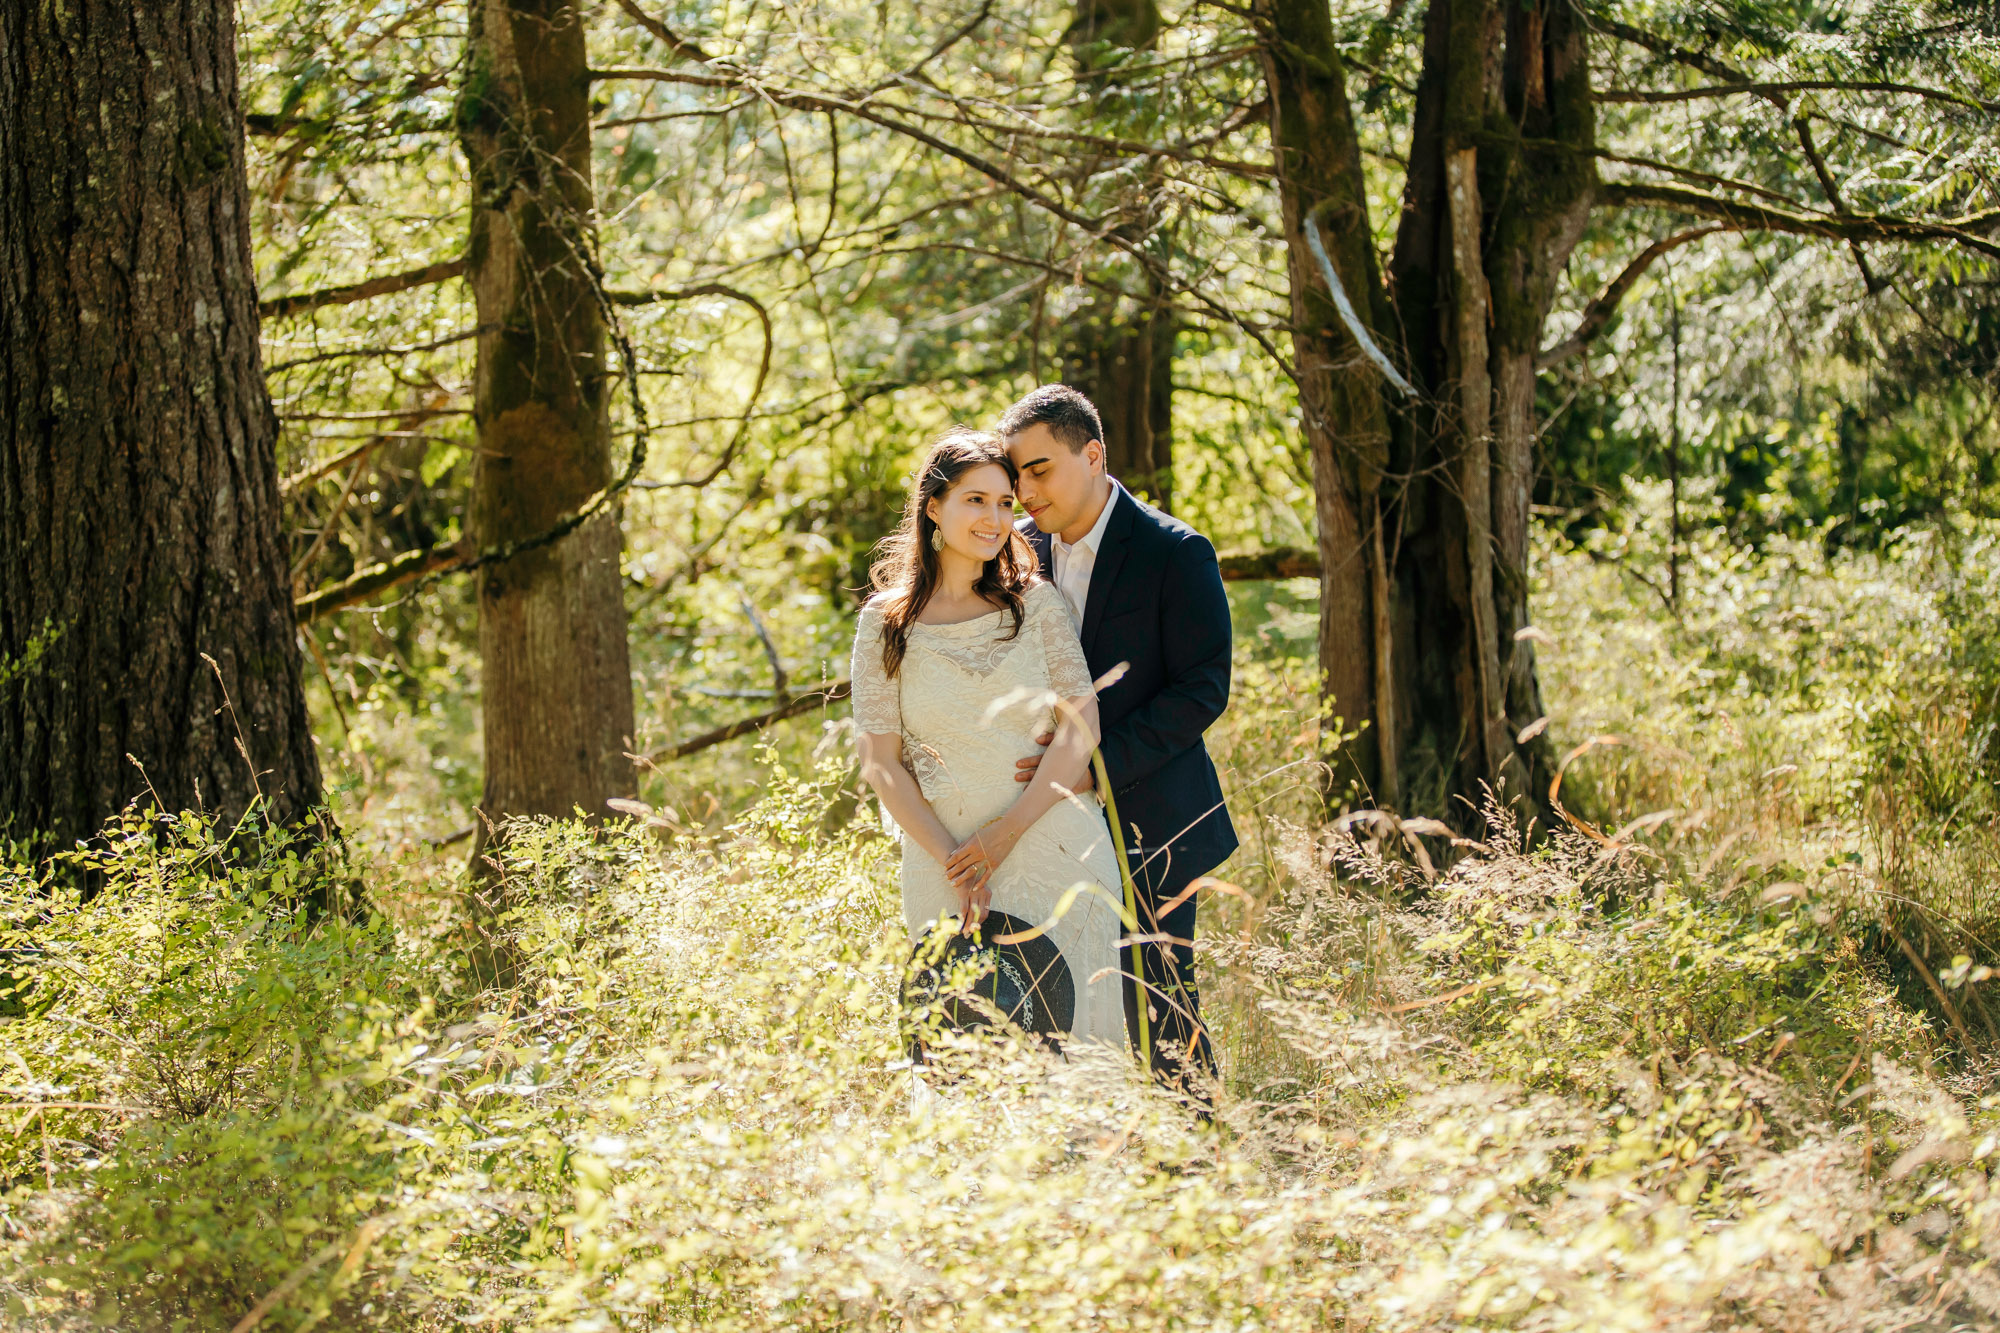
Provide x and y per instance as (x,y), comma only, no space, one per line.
(1182,1057)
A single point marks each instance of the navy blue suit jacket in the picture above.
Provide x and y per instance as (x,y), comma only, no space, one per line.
(1156,604)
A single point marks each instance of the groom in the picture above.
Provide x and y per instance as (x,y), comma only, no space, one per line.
(1144,591)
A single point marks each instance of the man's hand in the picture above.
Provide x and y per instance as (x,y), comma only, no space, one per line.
(1024,769)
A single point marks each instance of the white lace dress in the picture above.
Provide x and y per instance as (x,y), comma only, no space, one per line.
(968,702)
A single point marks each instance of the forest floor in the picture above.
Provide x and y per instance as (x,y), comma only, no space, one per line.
(1715,1056)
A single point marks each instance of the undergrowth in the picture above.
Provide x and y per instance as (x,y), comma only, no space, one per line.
(1666,1069)
(1530,1111)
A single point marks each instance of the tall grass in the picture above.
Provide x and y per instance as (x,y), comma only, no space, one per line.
(1672,1080)
(1811,720)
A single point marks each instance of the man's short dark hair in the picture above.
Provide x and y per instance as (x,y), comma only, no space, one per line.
(1070,416)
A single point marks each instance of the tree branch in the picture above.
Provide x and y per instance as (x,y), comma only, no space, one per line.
(365,583)
(318,470)
(810,101)
(1597,315)
(672,40)
(1660,46)
(1742,216)
(1802,127)
(1787,87)
(1109,232)
(414,416)
(407,349)
(1702,177)
(282,307)
(831,692)
(332,522)
(1355,328)
(763,366)
(943,44)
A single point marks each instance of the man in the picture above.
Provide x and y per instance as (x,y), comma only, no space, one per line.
(1145,592)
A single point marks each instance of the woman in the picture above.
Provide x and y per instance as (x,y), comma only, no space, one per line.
(965,656)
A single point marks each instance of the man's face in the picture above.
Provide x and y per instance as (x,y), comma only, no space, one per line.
(1058,484)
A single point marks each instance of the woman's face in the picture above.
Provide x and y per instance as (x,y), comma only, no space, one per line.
(977,513)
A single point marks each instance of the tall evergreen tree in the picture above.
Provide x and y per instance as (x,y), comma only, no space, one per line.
(147,648)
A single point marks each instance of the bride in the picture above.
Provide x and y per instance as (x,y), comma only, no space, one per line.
(960,661)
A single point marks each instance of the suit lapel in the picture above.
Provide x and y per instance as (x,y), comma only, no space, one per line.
(1110,559)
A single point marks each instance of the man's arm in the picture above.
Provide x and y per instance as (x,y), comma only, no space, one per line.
(1194,641)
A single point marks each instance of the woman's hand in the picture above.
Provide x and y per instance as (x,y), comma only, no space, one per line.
(972,865)
(975,900)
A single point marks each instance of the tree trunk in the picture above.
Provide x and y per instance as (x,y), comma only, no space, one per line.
(1318,158)
(1499,187)
(556,686)
(1121,353)
(1423,513)
(147,649)
(1539,184)
(1120,349)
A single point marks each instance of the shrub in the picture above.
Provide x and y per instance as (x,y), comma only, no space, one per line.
(1512,1107)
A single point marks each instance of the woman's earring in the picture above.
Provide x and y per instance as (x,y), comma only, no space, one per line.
(937,539)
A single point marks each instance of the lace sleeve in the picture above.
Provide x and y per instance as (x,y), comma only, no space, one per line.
(1069,673)
(878,697)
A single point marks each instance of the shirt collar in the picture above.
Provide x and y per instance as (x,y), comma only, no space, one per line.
(1094,539)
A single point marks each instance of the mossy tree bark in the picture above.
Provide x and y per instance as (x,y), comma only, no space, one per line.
(147,649)
(556,687)
(1423,501)
(1119,349)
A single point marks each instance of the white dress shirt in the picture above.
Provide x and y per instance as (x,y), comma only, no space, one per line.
(1075,560)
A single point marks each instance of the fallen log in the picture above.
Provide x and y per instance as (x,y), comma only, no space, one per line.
(1283,562)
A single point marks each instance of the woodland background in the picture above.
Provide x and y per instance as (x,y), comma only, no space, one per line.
(1617,667)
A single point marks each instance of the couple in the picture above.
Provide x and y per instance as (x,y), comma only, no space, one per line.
(976,714)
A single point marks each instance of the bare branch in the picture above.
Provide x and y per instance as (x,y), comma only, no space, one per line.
(262,125)
(408,349)
(339,511)
(800,100)
(1355,328)
(943,44)
(318,470)
(818,697)
(763,365)
(365,583)
(1180,152)
(283,307)
(672,40)
(413,415)
(658,117)
(692,565)
(780,679)
(1597,315)
(1109,232)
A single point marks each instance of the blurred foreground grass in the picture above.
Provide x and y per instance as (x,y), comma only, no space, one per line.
(1724,1067)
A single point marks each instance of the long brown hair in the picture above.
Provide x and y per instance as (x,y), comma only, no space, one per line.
(905,574)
